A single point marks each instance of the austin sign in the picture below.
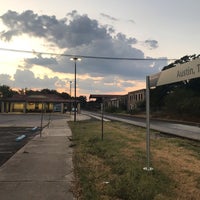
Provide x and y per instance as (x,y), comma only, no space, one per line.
(178,73)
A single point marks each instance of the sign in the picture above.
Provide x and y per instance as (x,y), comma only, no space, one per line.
(178,73)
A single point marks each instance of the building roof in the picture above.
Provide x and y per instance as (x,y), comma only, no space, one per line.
(103,96)
(37,98)
(136,91)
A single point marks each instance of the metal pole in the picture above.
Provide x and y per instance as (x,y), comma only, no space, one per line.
(148,168)
(75,101)
(102,127)
(75,89)
(41,123)
(70,97)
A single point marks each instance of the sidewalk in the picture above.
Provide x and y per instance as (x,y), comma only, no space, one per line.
(42,169)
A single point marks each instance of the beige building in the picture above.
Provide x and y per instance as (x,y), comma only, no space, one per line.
(117,102)
(126,102)
(134,98)
(34,103)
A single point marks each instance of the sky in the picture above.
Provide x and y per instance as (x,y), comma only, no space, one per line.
(141,29)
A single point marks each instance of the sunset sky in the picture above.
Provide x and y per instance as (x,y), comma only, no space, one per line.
(117,29)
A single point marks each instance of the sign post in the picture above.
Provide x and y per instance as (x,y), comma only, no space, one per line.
(180,72)
(102,129)
(148,168)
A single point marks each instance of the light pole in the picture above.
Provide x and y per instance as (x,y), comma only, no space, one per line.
(75,103)
(1,107)
(70,90)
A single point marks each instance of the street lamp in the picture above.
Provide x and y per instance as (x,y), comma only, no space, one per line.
(70,90)
(75,59)
(1,96)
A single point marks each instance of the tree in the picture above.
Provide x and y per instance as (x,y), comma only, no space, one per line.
(83,101)
(32,92)
(65,95)
(47,91)
(6,91)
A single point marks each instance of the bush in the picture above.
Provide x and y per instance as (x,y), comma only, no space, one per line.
(183,102)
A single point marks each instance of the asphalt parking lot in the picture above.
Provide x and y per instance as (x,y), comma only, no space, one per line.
(17,129)
(12,139)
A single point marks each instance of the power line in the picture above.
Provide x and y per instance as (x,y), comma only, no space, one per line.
(84,56)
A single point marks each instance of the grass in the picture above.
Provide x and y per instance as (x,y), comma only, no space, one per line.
(104,170)
(113,168)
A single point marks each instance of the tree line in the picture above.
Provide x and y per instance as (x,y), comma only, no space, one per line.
(6,92)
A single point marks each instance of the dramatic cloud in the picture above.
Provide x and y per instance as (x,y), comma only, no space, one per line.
(80,35)
(79,31)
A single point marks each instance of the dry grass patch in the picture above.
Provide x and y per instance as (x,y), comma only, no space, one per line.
(182,165)
(113,168)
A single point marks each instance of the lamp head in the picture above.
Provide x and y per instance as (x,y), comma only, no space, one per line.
(75,59)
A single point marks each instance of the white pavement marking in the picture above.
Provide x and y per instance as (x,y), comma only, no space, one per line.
(97,117)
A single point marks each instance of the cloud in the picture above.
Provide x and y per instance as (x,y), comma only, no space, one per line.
(6,79)
(26,78)
(131,21)
(79,31)
(151,44)
(122,37)
(101,68)
(106,16)
(111,84)
(39,60)
(109,17)
(80,35)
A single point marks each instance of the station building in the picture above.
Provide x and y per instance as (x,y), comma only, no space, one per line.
(134,98)
(128,101)
(35,103)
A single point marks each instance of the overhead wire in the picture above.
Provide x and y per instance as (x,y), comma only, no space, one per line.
(84,56)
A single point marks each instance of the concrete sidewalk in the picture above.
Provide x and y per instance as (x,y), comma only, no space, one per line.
(42,169)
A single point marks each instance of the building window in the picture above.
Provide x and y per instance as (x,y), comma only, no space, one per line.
(37,106)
